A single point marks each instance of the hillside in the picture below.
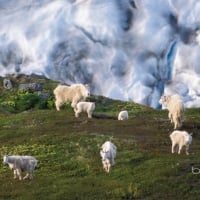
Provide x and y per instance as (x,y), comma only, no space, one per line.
(67,149)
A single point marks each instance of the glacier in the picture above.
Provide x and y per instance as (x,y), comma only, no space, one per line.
(132,50)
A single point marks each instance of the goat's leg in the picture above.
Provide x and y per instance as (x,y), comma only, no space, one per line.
(27,176)
(19,173)
(180,148)
(173,147)
(15,174)
(187,149)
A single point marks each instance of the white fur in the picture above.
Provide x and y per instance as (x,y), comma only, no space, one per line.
(21,164)
(175,107)
(123,115)
(87,107)
(180,139)
(108,153)
(73,94)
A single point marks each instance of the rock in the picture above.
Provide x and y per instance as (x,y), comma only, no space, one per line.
(31,86)
(7,84)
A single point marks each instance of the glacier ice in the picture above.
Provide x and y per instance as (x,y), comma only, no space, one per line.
(133,50)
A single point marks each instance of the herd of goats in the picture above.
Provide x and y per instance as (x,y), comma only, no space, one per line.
(77,94)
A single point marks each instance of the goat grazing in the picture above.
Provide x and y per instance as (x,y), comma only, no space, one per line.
(108,153)
(180,139)
(21,164)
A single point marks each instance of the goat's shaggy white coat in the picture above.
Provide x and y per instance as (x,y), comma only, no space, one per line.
(21,164)
(87,107)
(123,115)
(73,94)
(175,107)
(108,153)
(179,140)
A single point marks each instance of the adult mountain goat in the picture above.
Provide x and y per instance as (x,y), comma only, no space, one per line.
(21,164)
(108,153)
(73,94)
(175,107)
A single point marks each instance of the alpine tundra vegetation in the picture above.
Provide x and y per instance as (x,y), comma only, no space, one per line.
(67,149)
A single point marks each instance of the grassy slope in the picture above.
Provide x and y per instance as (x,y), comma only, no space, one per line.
(68,152)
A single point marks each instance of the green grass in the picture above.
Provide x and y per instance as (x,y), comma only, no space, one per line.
(69,164)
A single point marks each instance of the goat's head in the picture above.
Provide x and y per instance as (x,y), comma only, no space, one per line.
(104,154)
(5,159)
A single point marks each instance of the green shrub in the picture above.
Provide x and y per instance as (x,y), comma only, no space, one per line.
(50,103)
(26,101)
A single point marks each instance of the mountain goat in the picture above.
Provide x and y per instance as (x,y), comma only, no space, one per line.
(73,94)
(84,107)
(123,115)
(180,139)
(175,107)
(108,153)
(21,164)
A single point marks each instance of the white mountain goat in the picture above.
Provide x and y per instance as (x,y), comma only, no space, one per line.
(180,139)
(87,107)
(73,94)
(21,164)
(108,153)
(175,107)
(123,115)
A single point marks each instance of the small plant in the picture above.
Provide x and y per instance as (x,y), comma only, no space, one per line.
(25,101)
